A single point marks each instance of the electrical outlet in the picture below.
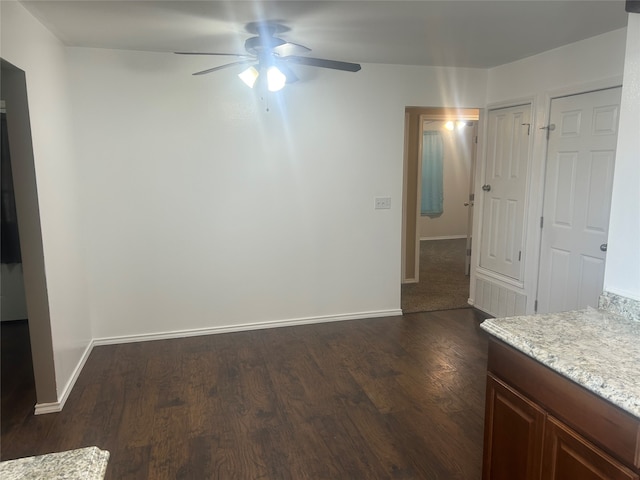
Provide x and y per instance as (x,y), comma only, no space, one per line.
(382,203)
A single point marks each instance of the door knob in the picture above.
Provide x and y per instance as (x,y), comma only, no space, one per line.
(486,188)
(603,247)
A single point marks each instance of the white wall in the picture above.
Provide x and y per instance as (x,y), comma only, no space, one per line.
(458,144)
(622,274)
(576,64)
(593,63)
(32,48)
(205,211)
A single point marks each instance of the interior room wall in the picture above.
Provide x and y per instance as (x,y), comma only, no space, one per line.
(29,46)
(453,222)
(622,273)
(576,64)
(593,63)
(205,211)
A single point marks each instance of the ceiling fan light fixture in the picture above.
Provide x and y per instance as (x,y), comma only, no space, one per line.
(249,76)
(275,79)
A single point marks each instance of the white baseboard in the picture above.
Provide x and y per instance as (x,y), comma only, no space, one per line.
(42,408)
(53,407)
(244,327)
(447,237)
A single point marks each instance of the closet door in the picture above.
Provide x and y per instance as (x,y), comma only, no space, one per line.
(504,190)
(577,200)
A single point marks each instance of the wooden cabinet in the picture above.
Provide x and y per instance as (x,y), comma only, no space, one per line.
(541,426)
(567,455)
(514,428)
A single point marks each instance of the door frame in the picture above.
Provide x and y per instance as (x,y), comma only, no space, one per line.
(412,181)
(541,102)
(14,91)
(609,84)
(501,283)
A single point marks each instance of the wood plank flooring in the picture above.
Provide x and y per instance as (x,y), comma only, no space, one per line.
(399,397)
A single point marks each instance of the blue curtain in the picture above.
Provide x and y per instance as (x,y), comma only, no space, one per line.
(432,163)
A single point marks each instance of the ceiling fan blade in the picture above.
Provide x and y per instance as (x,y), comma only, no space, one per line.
(289,48)
(221,67)
(240,55)
(321,62)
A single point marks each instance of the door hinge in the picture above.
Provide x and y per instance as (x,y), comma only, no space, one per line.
(535,306)
(475,139)
(541,221)
(468,252)
(520,255)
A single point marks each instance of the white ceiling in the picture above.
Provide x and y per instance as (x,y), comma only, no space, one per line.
(476,33)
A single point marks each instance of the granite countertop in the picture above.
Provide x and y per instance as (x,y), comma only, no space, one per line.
(598,349)
(82,464)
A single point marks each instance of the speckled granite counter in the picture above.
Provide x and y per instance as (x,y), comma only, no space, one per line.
(83,464)
(597,349)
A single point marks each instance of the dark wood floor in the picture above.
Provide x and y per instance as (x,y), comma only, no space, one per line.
(16,374)
(399,397)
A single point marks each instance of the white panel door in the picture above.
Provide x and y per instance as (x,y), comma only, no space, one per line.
(504,190)
(577,199)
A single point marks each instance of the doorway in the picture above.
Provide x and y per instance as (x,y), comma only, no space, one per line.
(14,93)
(439,162)
(17,385)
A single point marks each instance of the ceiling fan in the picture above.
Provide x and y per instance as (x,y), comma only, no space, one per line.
(271,55)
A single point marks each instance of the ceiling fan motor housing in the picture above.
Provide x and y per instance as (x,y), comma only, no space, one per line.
(260,45)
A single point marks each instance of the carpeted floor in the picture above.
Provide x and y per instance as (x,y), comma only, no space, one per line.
(443,284)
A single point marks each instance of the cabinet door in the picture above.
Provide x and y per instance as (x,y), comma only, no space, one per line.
(513,439)
(567,456)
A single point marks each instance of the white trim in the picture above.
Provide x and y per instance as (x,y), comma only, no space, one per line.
(43,408)
(243,327)
(586,87)
(498,278)
(53,407)
(445,237)
(517,102)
